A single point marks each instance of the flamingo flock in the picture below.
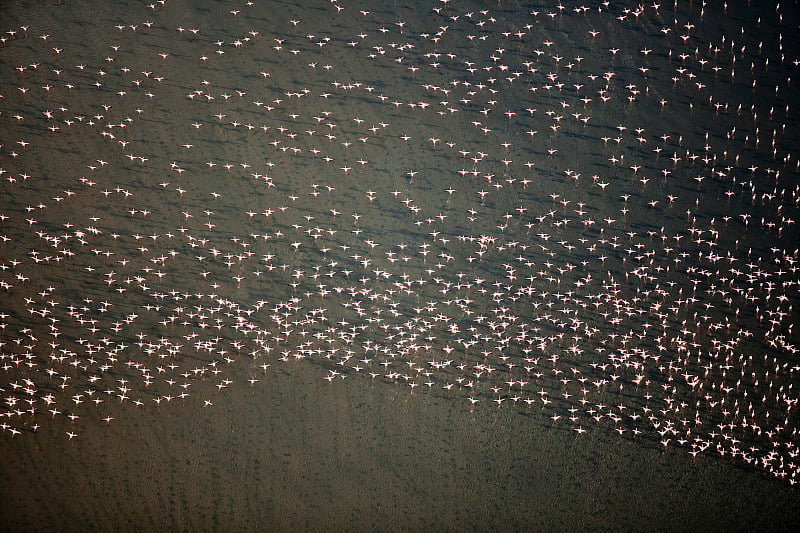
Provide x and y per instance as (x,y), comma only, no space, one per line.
(586,213)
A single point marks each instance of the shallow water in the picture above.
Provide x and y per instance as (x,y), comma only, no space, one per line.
(558,294)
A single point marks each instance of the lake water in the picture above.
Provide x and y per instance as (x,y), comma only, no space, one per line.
(399,266)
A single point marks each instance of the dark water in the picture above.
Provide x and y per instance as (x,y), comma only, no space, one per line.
(433,266)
